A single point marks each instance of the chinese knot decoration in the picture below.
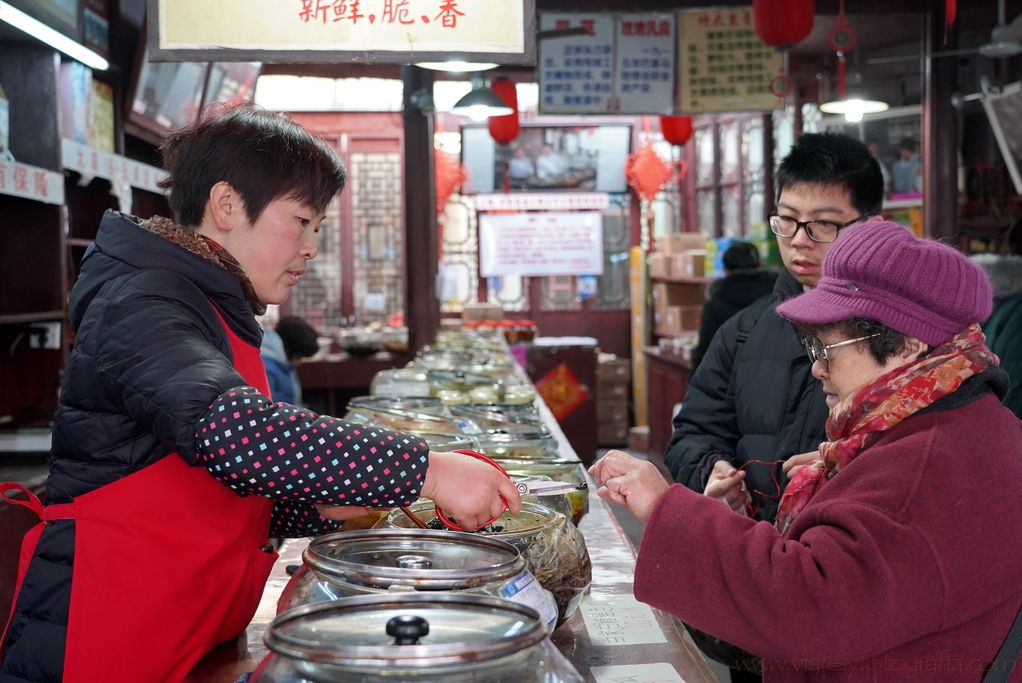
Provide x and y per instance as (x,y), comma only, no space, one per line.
(504,129)
(647,172)
(783,23)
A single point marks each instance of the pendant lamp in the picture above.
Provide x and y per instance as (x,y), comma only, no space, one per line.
(481,102)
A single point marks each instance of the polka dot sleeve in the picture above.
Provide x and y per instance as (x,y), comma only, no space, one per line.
(256,446)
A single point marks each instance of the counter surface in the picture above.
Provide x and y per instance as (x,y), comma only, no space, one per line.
(609,629)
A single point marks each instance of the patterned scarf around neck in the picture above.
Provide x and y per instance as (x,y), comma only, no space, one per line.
(858,421)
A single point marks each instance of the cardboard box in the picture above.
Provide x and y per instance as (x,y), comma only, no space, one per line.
(612,392)
(611,408)
(612,433)
(659,265)
(676,242)
(614,370)
(691,263)
(678,294)
(678,319)
(638,439)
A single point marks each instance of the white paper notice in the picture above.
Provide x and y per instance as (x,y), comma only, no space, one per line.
(620,620)
(637,673)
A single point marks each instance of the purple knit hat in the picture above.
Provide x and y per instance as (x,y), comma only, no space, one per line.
(880,271)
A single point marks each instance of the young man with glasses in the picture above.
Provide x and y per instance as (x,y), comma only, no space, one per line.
(753,403)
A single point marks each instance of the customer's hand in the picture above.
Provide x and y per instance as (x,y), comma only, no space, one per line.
(626,480)
(469,490)
(727,484)
(796,462)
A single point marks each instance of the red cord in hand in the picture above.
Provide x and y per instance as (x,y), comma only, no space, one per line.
(454,525)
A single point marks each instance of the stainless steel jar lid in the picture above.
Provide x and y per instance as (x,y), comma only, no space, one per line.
(461,378)
(422,409)
(405,630)
(420,559)
(498,412)
(512,433)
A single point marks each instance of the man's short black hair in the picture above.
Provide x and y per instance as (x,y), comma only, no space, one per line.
(261,154)
(300,339)
(908,144)
(833,159)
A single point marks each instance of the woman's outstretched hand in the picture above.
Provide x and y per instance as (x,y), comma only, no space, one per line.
(628,481)
(468,490)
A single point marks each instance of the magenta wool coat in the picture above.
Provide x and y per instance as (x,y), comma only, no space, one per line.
(907,564)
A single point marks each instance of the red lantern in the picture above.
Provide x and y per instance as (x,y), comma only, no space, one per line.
(504,129)
(783,23)
(676,129)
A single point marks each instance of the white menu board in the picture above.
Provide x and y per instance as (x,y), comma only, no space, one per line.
(541,244)
(624,64)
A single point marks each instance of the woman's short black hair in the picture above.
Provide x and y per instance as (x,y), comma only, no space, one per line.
(261,154)
(888,342)
(834,159)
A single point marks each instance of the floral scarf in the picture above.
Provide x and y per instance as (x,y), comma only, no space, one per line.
(862,418)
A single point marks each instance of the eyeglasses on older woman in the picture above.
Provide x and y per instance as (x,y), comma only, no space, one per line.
(818,351)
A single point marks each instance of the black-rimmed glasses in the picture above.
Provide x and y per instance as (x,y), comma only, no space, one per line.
(818,351)
(817,231)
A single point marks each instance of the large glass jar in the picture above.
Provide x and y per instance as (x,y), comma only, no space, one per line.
(497,415)
(378,561)
(428,637)
(553,548)
(413,415)
(558,470)
(479,388)
(400,383)
(518,442)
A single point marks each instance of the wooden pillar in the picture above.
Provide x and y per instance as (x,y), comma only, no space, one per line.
(940,132)
(422,310)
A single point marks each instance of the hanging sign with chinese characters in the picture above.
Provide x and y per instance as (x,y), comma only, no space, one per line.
(334,31)
(621,64)
(30,182)
(722,64)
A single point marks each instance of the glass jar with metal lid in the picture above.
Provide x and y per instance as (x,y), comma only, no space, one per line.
(406,414)
(553,548)
(479,388)
(400,383)
(429,637)
(449,442)
(375,561)
(496,415)
(519,442)
(561,469)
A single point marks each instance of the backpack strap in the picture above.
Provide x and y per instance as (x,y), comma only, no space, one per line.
(1004,662)
(747,320)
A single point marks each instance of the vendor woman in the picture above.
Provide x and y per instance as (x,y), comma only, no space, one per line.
(171,464)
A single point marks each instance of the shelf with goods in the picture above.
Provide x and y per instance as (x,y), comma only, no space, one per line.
(98,180)
(52,195)
(677,283)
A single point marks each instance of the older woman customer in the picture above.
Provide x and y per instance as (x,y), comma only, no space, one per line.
(898,551)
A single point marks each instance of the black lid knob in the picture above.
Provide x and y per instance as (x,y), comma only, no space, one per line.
(407,629)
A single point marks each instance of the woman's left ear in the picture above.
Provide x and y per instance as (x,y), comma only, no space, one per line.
(915,348)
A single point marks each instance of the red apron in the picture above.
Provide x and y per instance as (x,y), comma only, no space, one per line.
(168,562)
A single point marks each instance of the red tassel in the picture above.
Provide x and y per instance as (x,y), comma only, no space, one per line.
(950,12)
